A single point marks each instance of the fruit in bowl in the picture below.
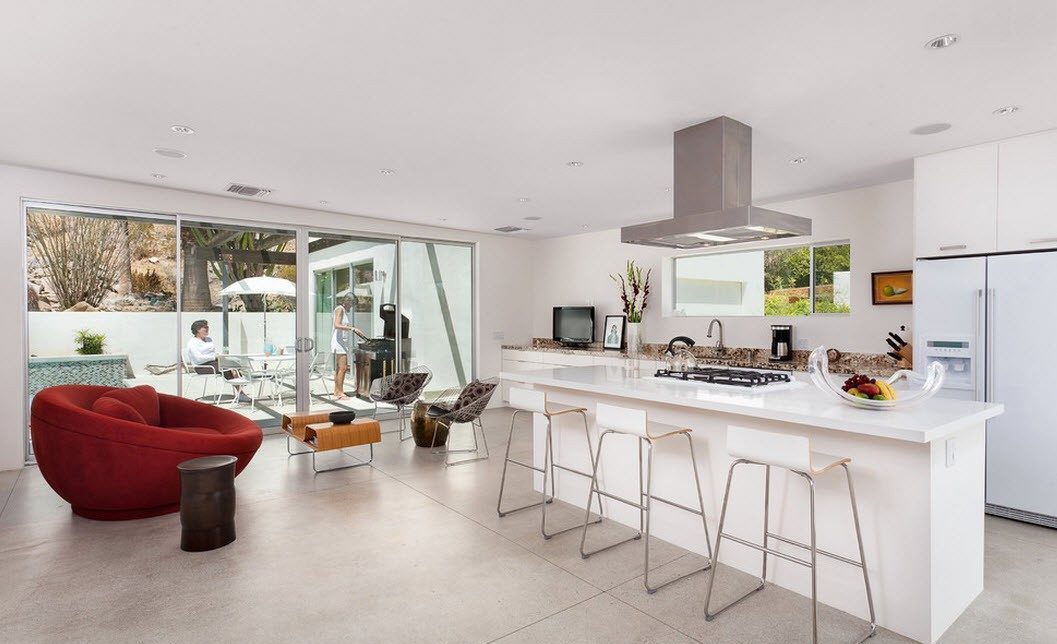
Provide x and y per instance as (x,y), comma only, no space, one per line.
(862,386)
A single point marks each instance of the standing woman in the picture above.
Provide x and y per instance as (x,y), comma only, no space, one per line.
(339,344)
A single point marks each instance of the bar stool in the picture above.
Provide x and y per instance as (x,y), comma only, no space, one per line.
(633,422)
(535,402)
(793,453)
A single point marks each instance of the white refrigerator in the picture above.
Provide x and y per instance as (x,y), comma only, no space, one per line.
(992,321)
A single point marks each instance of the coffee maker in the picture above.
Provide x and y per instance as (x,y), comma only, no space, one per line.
(781,342)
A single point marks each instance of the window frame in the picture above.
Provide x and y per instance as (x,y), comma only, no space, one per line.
(668,277)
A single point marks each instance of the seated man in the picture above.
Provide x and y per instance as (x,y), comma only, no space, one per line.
(201,352)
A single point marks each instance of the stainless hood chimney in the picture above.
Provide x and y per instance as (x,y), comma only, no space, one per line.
(713,194)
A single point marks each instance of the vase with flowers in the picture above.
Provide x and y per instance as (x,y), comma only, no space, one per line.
(634,294)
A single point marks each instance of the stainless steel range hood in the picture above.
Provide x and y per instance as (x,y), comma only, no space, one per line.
(713,194)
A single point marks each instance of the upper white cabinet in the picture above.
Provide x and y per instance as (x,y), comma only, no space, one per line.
(956,202)
(1027,192)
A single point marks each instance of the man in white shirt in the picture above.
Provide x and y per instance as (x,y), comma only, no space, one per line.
(201,352)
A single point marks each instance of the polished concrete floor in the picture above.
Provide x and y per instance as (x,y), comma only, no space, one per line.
(411,551)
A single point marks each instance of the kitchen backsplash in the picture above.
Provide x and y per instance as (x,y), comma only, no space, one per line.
(877,364)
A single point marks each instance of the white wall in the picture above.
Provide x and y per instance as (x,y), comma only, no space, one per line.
(878,220)
(505,264)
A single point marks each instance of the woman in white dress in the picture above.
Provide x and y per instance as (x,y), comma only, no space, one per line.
(340,344)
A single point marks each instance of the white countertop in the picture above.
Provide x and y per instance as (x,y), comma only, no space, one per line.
(805,405)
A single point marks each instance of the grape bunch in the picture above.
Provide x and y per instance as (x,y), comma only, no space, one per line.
(856,380)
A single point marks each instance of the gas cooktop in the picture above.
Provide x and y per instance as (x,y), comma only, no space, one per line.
(726,376)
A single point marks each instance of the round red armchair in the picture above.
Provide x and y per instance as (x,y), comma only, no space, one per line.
(112,453)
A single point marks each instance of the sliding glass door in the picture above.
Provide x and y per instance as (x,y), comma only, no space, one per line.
(437,297)
(262,320)
(238,317)
(352,295)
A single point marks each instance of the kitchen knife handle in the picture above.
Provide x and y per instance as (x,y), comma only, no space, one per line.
(895,336)
(892,344)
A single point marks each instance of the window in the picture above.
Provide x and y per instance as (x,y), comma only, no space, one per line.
(798,280)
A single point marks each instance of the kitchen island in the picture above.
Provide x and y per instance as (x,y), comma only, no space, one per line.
(919,478)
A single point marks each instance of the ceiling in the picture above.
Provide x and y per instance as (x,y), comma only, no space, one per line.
(477,104)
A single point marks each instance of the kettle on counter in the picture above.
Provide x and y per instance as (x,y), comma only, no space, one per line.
(679,357)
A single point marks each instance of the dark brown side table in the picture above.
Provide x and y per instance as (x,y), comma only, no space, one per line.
(207,502)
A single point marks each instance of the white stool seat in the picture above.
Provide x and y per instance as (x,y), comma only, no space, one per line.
(821,462)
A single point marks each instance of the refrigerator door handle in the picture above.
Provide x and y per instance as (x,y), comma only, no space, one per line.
(989,366)
(979,369)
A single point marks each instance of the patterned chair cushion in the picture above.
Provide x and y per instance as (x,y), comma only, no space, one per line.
(473,392)
(404,385)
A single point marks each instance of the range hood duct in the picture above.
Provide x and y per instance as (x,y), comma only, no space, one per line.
(713,194)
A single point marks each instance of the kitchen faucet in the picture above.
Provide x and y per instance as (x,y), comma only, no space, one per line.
(719,343)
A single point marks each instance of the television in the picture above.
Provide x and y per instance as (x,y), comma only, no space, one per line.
(574,325)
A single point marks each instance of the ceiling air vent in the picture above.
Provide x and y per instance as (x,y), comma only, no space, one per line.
(248,191)
(510,229)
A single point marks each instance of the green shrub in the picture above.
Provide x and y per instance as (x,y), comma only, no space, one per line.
(89,344)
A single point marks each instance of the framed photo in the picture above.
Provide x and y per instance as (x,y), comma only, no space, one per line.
(613,332)
(894,287)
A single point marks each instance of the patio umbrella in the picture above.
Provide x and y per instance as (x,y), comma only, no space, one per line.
(263,285)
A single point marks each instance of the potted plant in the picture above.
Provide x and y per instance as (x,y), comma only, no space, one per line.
(89,343)
(634,294)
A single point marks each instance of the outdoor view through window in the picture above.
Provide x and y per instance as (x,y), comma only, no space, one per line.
(800,280)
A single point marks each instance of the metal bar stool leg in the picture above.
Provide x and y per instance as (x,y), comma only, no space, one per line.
(584,553)
(502,480)
(862,556)
(553,477)
(649,506)
(719,540)
(814,564)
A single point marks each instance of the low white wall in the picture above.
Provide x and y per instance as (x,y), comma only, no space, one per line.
(151,337)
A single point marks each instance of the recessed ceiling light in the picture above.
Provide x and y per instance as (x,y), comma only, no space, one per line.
(668,189)
(322,203)
(584,226)
(182,129)
(532,218)
(1007,110)
(942,42)
(386,171)
(574,164)
(931,128)
(157,176)
(523,200)
(798,160)
(172,154)
(443,219)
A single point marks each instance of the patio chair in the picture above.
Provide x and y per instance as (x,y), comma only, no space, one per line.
(315,371)
(456,406)
(244,378)
(400,390)
(206,373)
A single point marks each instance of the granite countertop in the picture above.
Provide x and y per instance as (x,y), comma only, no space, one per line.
(875,364)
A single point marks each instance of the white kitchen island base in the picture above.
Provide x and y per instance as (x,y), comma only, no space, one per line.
(918,473)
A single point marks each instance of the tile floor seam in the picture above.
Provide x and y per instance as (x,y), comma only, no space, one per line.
(671,626)
(496,532)
(10,492)
(555,614)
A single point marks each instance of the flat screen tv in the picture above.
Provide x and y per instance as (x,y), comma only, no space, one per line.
(574,325)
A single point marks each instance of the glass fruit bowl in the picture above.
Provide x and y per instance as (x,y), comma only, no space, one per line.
(818,367)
